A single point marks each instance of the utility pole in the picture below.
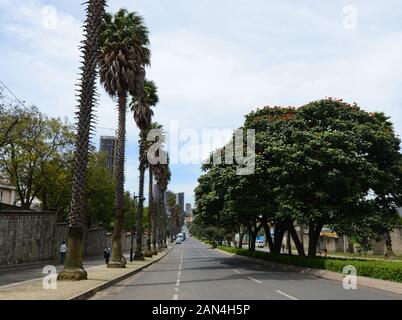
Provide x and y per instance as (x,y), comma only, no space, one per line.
(132,229)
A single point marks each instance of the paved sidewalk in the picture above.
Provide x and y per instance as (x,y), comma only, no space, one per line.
(20,273)
(99,277)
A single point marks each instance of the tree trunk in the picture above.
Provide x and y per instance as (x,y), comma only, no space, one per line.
(313,237)
(164,220)
(73,269)
(117,260)
(389,253)
(138,252)
(241,236)
(296,240)
(278,238)
(160,219)
(149,253)
(267,231)
(154,226)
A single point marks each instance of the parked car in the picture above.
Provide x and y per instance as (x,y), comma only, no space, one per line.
(259,243)
(178,240)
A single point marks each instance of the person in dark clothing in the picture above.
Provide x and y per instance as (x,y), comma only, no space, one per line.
(106,254)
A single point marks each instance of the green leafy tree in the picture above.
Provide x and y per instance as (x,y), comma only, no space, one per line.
(35,156)
(100,197)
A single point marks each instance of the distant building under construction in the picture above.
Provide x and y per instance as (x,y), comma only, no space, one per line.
(108,145)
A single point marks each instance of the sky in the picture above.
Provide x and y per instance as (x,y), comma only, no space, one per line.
(213,62)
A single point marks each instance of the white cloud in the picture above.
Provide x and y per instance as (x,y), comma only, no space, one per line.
(216,61)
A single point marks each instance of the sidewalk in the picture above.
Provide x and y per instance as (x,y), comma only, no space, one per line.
(99,277)
(27,272)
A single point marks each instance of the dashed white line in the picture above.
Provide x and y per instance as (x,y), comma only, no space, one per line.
(255,280)
(176,289)
(237,271)
(286,295)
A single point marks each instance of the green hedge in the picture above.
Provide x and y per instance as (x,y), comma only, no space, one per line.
(385,270)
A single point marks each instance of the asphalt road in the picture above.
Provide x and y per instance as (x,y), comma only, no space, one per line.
(193,271)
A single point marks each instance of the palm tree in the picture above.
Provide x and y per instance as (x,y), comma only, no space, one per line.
(141,107)
(122,60)
(152,221)
(73,269)
(162,175)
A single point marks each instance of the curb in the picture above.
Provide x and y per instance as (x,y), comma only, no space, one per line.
(91,292)
(390,286)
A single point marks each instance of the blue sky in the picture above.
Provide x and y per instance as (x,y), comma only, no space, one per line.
(214,61)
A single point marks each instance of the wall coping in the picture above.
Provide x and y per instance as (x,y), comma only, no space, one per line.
(26,212)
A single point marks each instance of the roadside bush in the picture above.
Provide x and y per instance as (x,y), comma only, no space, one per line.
(385,270)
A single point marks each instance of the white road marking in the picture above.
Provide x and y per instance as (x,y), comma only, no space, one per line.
(286,295)
(255,280)
(237,271)
(176,289)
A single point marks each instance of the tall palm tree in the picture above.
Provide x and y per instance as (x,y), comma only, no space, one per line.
(141,107)
(73,268)
(122,60)
(152,151)
(162,175)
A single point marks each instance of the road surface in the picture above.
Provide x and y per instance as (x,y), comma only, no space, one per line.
(193,271)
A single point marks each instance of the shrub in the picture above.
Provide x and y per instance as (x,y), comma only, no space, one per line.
(385,270)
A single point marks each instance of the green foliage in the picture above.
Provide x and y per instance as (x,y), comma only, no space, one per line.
(325,163)
(100,192)
(35,156)
(384,270)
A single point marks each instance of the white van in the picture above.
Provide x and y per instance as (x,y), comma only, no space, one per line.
(259,243)
(181,236)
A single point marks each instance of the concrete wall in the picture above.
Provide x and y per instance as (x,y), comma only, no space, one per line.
(7,195)
(396,238)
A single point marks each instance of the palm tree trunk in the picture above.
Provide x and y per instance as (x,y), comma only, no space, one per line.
(138,251)
(160,219)
(73,268)
(149,252)
(117,260)
(164,216)
(153,216)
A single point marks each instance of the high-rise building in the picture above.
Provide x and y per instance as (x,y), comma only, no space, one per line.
(108,145)
(180,201)
(189,211)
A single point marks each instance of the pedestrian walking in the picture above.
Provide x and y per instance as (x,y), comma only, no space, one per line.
(63,251)
(106,254)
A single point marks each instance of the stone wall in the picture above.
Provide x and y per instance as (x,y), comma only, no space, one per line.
(26,236)
(29,236)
